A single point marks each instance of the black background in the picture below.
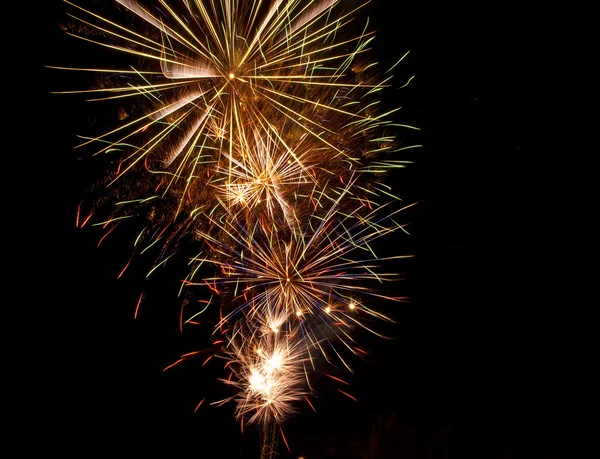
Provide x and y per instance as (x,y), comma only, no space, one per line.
(491,357)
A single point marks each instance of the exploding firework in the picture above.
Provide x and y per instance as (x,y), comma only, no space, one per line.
(309,280)
(253,131)
(268,370)
(209,79)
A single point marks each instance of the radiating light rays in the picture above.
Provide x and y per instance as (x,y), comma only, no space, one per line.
(310,279)
(263,176)
(233,64)
(269,372)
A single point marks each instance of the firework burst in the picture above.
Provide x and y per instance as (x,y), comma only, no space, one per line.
(310,280)
(269,372)
(207,73)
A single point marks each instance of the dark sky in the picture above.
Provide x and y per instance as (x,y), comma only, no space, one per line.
(492,357)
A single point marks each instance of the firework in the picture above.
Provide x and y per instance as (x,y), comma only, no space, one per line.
(310,280)
(268,370)
(209,78)
(253,134)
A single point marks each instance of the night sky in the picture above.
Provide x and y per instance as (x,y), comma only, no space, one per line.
(491,357)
